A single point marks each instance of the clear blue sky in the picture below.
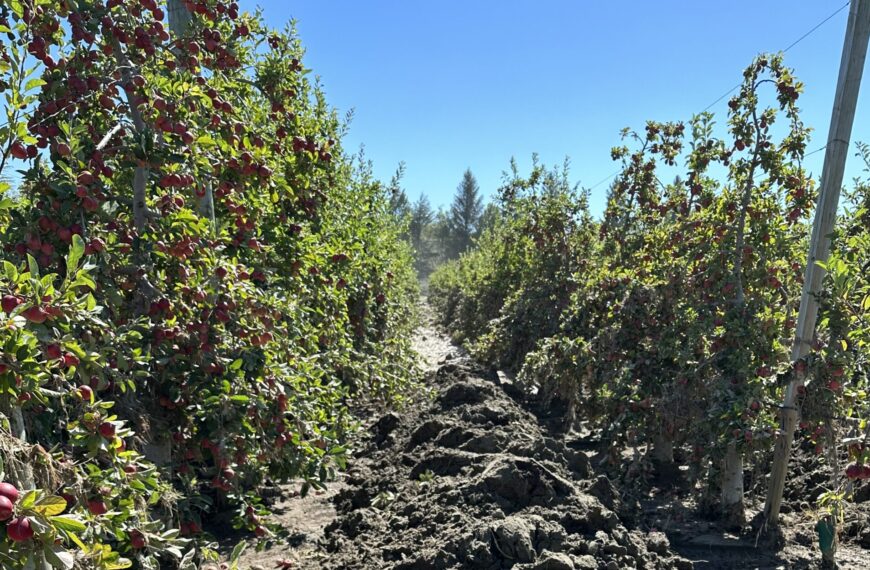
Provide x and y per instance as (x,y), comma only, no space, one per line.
(449,85)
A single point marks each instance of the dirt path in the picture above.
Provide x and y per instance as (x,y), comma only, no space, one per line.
(307,517)
(470,478)
(433,346)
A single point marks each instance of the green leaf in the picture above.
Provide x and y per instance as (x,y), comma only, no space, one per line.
(28,500)
(205,141)
(58,557)
(76,251)
(34,83)
(50,505)
(10,270)
(79,543)
(236,554)
(17,8)
(68,524)
(33,267)
(84,280)
(188,562)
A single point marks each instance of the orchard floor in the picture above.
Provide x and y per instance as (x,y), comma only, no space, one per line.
(466,476)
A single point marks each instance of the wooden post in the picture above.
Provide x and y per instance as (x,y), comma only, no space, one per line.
(845,99)
(179,17)
(179,23)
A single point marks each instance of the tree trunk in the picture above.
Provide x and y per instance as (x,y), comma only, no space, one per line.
(829,551)
(21,473)
(732,487)
(663,448)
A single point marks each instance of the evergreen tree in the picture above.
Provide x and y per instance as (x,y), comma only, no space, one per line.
(439,235)
(399,203)
(421,216)
(419,228)
(465,212)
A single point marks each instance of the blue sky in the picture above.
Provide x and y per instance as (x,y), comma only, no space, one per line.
(449,85)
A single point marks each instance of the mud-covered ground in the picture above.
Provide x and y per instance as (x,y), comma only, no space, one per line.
(467,477)
(471,481)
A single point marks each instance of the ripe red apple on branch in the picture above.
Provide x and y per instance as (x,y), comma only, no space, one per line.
(19,529)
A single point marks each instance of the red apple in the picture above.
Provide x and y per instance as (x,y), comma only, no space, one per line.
(64,234)
(137,540)
(36,315)
(18,150)
(70,360)
(97,245)
(90,205)
(97,507)
(854,471)
(86,178)
(69,498)
(19,530)
(53,352)
(6,508)
(86,393)
(10,302)
(107,430)
(9,491)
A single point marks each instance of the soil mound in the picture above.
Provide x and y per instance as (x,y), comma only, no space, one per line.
(469,479)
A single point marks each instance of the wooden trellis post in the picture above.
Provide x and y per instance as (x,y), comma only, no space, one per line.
(845,100)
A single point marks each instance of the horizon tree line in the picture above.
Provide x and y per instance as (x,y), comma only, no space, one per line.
(439,235)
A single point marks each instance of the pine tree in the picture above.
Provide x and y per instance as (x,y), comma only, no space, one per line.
(465,212)
(421,216)
(399,203)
